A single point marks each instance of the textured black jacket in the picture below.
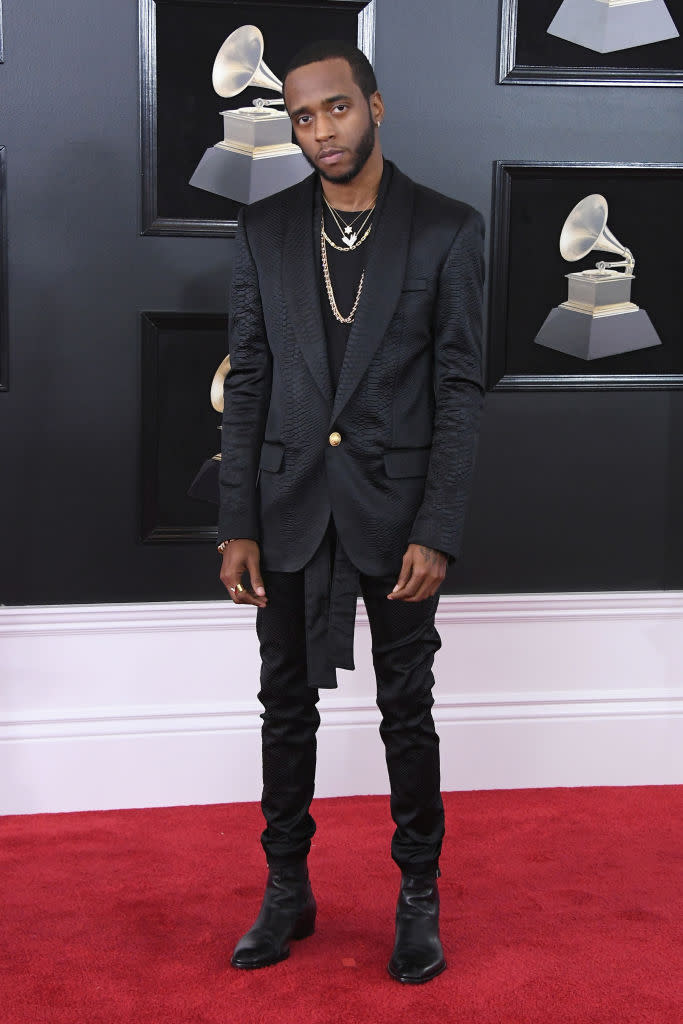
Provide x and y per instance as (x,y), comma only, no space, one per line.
(409,397)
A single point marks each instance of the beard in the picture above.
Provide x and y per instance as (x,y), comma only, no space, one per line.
(361,155)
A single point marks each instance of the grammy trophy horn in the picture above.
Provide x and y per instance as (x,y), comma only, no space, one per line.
(239,63)
(217,384)
(585,229)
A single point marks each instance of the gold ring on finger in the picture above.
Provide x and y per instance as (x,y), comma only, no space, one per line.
(239,588)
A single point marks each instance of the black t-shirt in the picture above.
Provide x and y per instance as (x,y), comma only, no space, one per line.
(346,269)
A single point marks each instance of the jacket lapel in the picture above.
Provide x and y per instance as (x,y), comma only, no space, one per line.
(300,281)
(384,275)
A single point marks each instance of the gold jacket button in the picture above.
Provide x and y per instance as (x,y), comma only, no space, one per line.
(335,439)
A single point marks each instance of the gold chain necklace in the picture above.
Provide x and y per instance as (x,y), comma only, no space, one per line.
(328,284)
(350,248)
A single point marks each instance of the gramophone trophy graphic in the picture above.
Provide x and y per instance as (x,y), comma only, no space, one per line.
(204,487)
(598,319)
(256,156)
(608,25)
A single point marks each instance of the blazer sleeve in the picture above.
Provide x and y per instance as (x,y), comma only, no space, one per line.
(459,392)
(246,398)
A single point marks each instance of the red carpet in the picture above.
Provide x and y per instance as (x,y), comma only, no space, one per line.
(557,906)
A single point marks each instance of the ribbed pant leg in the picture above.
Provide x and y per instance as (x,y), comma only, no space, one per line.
(290,720)
(404,642)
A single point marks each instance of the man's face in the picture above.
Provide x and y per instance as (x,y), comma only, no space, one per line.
(332,119)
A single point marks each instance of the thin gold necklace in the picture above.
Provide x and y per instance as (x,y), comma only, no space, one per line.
(338,217)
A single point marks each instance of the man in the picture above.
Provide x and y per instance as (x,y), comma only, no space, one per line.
(351,415)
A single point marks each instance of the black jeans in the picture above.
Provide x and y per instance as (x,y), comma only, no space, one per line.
(404,641)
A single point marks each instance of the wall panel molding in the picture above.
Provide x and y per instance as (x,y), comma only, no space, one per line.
(154,704)
(4,279)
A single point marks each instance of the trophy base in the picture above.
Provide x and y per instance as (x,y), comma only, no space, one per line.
(606,27)
(593,291)
(589,337)
(256,126)
(245,175)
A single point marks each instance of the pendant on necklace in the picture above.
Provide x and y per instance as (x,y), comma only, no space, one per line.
(350,239)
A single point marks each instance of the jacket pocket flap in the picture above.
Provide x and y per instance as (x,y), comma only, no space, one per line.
(271,456)
(407,462)
(414,284)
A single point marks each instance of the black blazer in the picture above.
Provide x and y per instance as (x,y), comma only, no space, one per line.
(409,397)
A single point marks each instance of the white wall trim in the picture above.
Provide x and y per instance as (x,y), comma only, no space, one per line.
(147,617)
(152,704)
(140,720)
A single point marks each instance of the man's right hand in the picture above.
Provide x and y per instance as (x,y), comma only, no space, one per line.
(240,557)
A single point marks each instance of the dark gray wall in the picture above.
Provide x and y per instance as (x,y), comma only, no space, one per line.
(574,490)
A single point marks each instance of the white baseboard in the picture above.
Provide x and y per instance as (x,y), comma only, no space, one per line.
(129,705)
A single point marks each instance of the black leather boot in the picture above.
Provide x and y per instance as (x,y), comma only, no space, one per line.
(418,955)
(287,912)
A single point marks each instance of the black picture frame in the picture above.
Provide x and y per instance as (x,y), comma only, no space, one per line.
(531,202)
(4,297)
(178,41)
(528,55)
(180,429)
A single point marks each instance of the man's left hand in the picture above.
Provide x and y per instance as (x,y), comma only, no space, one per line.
(421,575)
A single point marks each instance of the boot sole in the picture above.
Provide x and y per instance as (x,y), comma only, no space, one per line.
(260,964)
(407,980)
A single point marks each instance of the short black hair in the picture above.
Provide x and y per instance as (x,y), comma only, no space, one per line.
(326,49)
